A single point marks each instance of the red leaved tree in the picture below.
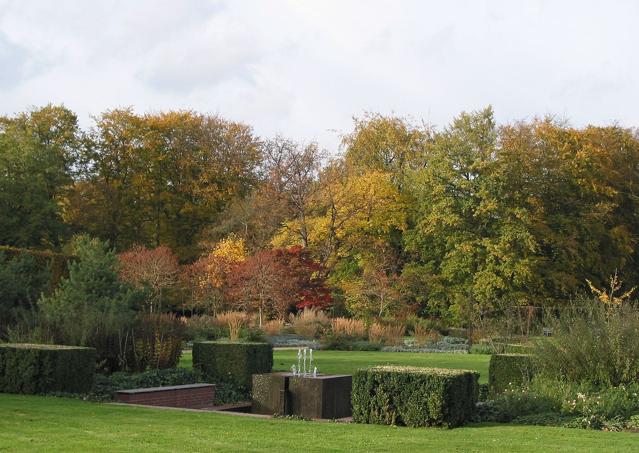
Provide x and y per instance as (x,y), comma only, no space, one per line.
(152,269)
(308,277)
(273,282)
(262,283)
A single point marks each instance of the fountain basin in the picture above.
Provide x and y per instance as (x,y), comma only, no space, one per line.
(325,396)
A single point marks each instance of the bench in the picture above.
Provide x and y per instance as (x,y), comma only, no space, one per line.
(191,396)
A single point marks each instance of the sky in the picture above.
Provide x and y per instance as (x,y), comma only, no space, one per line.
(304,69)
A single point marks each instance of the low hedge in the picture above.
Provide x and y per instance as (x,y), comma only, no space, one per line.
(107,384)
(35,368)
(508,370)
(411,396)
(232,362)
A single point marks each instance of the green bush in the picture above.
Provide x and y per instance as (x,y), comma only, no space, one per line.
(414,396)
(606,404)
(513,348)
(156,342)
(593,342)
(508,371)
(106,385)
(520,402)
(92,307)
(340,343)
(32,368)
(483,392)
(233,363)
(582,405)
(24,276)
(56,264)
(202,327)
(252,335)
(482,348)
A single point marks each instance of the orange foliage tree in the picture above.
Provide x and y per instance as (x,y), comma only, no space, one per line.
(206,279)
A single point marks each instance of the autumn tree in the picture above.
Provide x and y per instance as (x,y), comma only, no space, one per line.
(292,171)
(352,211)
(575,190)
(207,278)
(387,144)
(308,278)
(162,179)
(256,218)
(375,294)
(154,270)
(262,283)
(447,222)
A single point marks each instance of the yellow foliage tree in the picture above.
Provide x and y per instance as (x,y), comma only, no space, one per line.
(207,276)
(610,296)
(232,248)
(354,211)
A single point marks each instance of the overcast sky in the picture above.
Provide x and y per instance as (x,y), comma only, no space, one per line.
(304,68)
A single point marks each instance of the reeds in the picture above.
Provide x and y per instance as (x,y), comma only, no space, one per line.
(309,323)
(346,327)
(387,334)
(424,336)
(273,327)
(234,320)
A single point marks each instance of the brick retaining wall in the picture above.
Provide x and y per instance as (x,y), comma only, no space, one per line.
(192,396)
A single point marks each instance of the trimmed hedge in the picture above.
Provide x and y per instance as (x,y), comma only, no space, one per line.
(412,396)
(232,362)
(37,368)
(507,370)
(57,263)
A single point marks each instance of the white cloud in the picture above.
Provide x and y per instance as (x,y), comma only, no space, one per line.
(304,68)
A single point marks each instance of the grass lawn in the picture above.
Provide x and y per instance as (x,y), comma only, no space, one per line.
(346,362)
(34,423)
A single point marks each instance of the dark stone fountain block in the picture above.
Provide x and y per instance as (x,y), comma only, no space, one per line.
(324,396)
(269,393)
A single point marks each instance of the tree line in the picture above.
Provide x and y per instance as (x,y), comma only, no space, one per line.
(404,218)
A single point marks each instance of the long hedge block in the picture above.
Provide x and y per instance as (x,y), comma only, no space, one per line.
(36,368)
(508,371)
(234,363)
(412,396)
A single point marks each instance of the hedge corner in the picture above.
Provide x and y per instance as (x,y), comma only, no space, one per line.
(232,362)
